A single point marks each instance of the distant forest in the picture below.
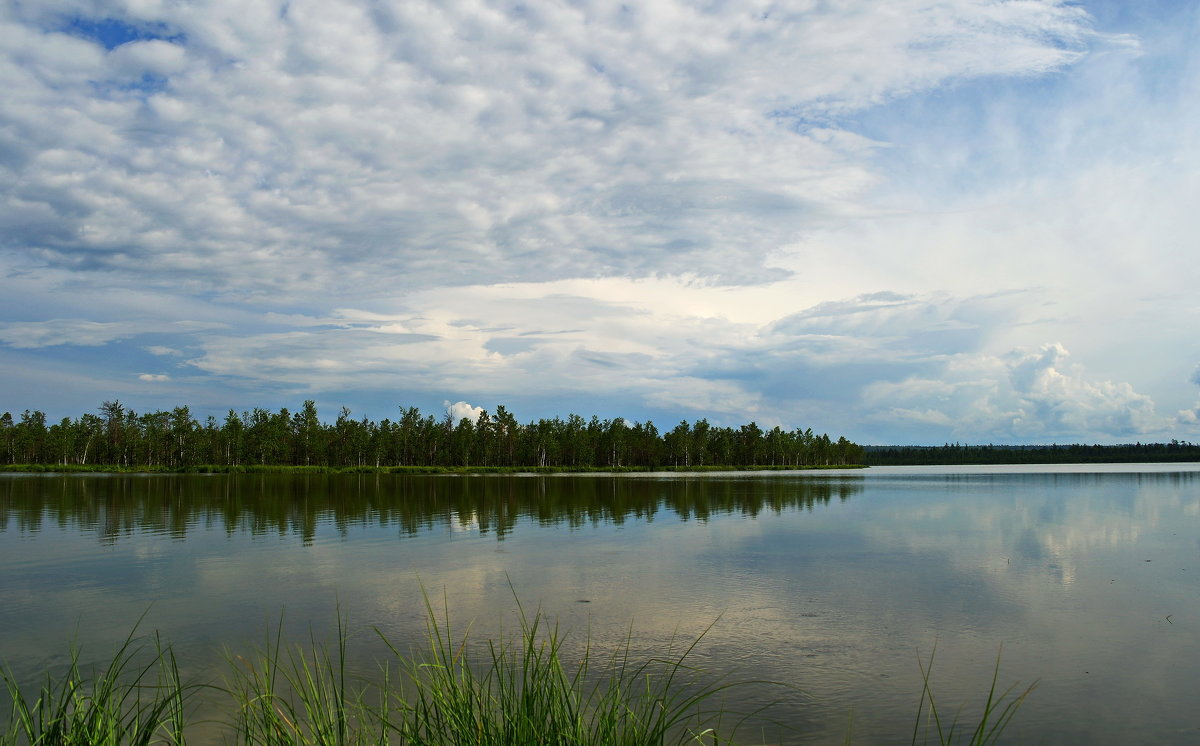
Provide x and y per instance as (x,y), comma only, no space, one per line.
(118,436)
(1036,454)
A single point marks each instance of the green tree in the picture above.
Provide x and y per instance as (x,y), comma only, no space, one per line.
(183,430)
(7,438)
(113,414)
(29,439)
(307,429)
(233,438)
(506,432)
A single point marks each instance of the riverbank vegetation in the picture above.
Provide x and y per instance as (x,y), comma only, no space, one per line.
(118,438)
(520,692)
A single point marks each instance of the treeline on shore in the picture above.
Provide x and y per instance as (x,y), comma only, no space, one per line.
(177,441)
(1074,453)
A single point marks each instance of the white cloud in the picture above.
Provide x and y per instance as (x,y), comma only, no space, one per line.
(460,410)
(152,57)
(309,147)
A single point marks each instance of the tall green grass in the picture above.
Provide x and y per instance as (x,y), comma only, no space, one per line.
(304,696)
(131,702)
(999,708)
(517,690)
(520,692)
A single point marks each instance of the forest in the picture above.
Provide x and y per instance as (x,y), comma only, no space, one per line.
(117,436)
(1073,453)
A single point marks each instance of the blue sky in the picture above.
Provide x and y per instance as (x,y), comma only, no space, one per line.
(905,222)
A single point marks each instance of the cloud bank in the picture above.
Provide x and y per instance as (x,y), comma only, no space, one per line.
(809,214)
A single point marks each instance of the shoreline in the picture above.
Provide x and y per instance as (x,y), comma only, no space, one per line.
(415,470)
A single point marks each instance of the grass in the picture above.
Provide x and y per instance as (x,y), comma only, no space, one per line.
(998,711)
(525,694)
(521,691)
(129,703)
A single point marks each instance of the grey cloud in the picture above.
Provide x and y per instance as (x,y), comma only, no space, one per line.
(85,333)
(28,335)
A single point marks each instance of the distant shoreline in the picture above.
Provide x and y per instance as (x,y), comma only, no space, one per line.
(955,454)
(450,470)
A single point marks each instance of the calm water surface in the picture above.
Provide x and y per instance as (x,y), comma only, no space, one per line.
(835,583)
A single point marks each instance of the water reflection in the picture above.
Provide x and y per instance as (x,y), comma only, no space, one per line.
(830,594)
(288,504)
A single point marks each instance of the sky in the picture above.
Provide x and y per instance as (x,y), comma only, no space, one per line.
(919,221)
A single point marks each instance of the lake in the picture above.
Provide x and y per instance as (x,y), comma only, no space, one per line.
(835,583)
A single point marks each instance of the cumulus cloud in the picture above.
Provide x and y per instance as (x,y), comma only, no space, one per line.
(1026,394)
(460,410)
(1190,418)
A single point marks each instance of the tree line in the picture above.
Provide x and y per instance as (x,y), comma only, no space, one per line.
(1072,453)
(116,435)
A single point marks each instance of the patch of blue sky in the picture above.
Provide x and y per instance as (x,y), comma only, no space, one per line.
(956,127)
(804,119)
(838,383)
(142,87)
(112,33)
(968,135)
(82,378)
(1121,15)
(119,359)
(533,405)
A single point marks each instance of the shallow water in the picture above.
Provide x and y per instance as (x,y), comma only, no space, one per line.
(835,583)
